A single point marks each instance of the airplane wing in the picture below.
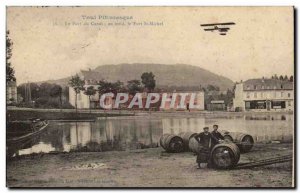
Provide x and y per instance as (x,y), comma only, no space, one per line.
(224,28)
(210,29)
(215,24)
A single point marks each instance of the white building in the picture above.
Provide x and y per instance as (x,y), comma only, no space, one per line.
(264,95)
(11,92)
(91,79)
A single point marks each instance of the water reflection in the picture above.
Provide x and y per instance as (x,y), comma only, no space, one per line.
(143,132)
(177,125)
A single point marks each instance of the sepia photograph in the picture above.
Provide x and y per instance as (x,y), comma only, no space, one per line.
(150,97)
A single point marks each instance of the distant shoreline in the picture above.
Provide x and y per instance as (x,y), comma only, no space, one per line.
(57,114)
(16,113)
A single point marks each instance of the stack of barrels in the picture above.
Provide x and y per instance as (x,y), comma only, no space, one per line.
(223,156)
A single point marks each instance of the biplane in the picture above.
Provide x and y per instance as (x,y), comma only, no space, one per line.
(222,28)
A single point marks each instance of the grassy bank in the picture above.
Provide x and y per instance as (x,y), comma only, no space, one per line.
(145,168)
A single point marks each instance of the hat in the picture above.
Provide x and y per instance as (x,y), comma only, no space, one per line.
(205,128)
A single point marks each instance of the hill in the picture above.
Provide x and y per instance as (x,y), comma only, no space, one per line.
(179,75)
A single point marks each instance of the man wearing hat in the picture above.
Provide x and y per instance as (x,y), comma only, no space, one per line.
(217,136)
(205,140)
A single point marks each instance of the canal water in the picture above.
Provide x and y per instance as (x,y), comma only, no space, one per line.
(124,133)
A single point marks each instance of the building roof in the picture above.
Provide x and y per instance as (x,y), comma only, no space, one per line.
(267,84)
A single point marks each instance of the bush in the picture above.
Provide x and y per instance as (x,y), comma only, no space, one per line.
(11,104)
(47,102)
(67,105)
(238,109)
(26,105)
(41,102)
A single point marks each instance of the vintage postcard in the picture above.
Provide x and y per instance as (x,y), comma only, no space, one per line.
(148,97)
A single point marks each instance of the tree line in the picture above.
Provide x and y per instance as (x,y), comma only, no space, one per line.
(45,95)
(10,72)
(147,83)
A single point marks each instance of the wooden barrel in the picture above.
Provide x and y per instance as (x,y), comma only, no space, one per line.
(226,135)
(186,136)
(244,141)
(225,155)
(194,146)
(171,143)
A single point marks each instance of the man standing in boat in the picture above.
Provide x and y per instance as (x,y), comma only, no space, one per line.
(216,135)
(205,140)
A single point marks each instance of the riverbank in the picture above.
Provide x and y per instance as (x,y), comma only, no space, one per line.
(16,113)
(57,114)
(151,167)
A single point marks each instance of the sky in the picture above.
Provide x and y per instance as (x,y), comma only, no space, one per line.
(57,42)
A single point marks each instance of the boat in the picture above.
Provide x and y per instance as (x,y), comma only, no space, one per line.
(18,131)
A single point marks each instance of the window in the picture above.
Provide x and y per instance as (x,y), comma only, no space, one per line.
(289,103)
(262,87)
(255,95)
(281,94)
(281,86)
(278,104)
(247,105)
(248,95)
(255,105)
(248,87)
(289,95)
(255,87)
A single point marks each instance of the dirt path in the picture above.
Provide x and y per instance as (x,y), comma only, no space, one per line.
(145,168)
